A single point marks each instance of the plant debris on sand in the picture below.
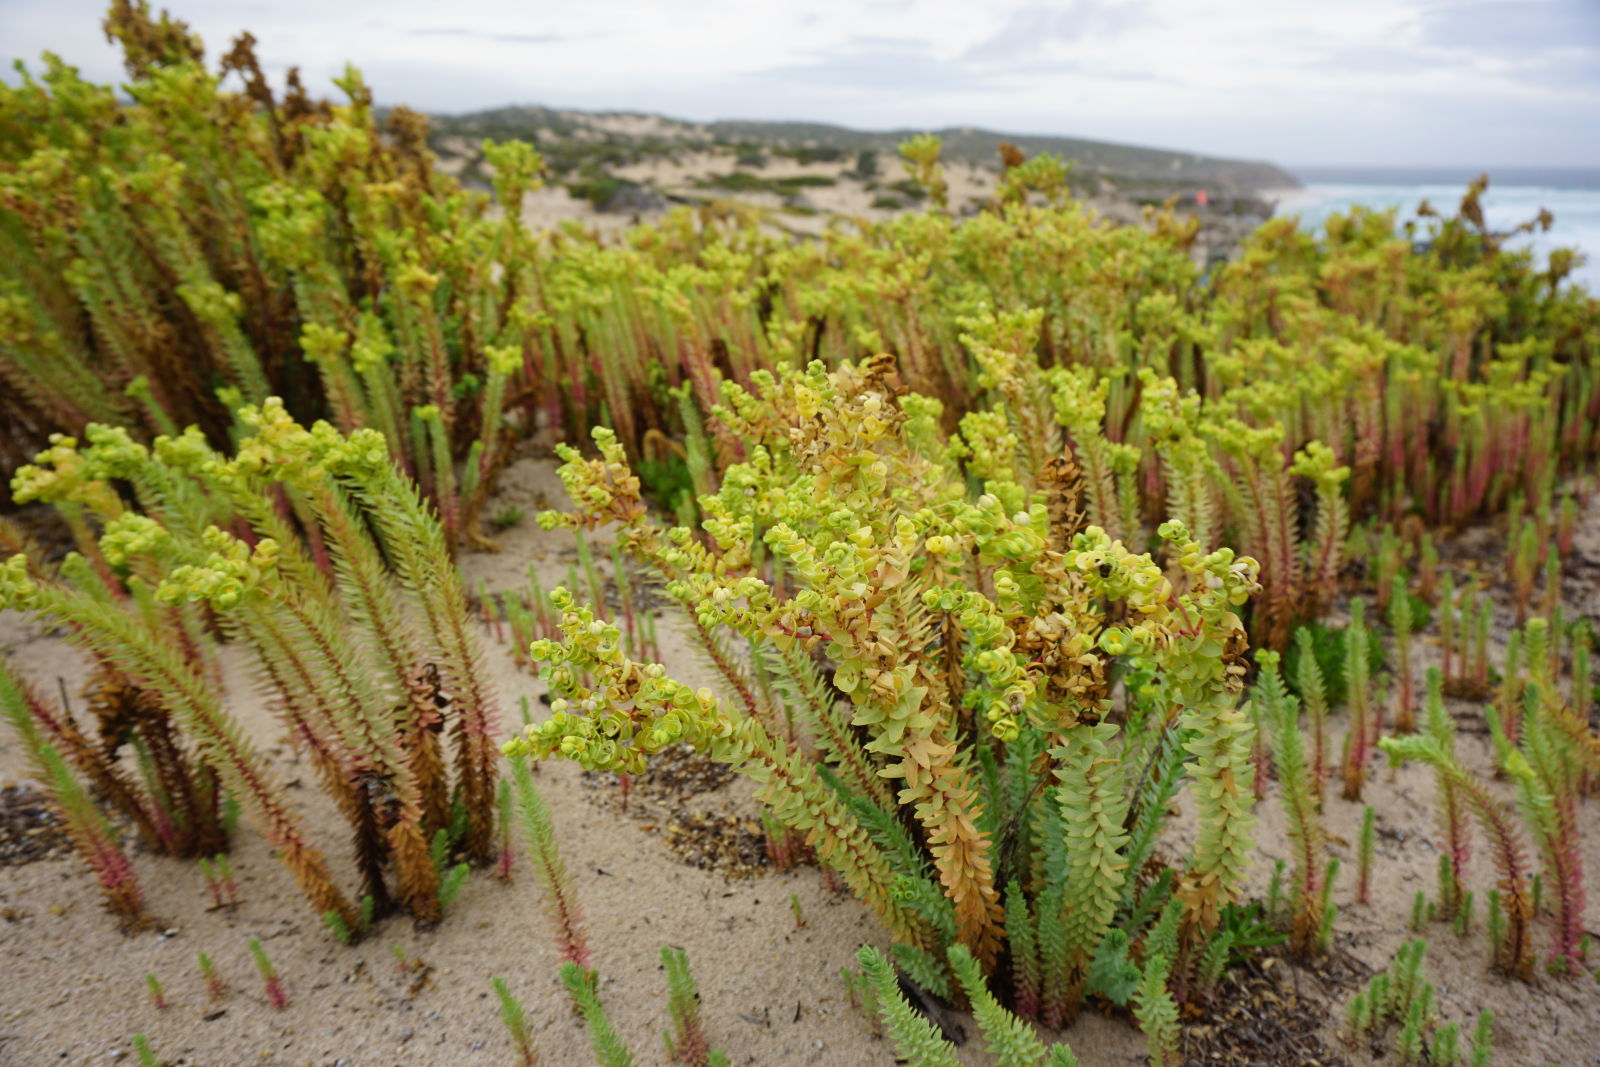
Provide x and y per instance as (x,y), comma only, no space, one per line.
(30,830)
(729,842)
(1272,1012)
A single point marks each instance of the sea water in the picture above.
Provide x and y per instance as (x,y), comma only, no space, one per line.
(1515,195)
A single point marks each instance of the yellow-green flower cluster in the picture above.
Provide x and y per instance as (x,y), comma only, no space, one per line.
(322,343)
(226,577)
(17,588)
(132,535)
(637,711)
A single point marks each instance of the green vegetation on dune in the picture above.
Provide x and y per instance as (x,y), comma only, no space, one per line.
(993,533)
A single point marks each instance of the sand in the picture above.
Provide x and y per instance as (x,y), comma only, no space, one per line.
(74,992)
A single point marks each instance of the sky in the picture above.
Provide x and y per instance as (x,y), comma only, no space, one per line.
(1475,83)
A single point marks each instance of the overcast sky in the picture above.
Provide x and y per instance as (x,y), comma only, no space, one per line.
(1471,82)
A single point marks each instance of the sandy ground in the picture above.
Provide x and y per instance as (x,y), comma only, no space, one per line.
(73,990)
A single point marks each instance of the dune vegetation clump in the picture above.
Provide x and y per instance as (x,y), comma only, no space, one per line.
(1034,575)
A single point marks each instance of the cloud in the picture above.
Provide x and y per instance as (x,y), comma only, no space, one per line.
(1514,27)
(1370,81)
(1032,29)
(893,65)
(486,35)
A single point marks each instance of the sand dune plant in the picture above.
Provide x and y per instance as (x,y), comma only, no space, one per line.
(158,995)
(516,1023)
(686,1042)
(974,642)
(981,520)
(1295,782)
(1402,996)
(93,836)
(342,268)
(610,1050)
(559,900)
(171,799)
(216,988)
(1364,726)
(277,996)
(1513,951)
(1454,820)
(330,266)
(1546,777)
(312,551)
(1153,1003)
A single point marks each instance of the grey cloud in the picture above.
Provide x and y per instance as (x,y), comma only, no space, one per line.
(902,64)
(1376,59)
(1030,28)
(1093,71)
(1554,44)
(488,35)
(1513,27)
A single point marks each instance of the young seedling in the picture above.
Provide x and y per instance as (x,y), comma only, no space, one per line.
(516,1022)
(453,882)
(1274,901)
(1566,524)
(1454,819)
(339,928)
(1523,559)
(1364,857)
(1358,1016)
(1409,1043)
(555,885)
(276,996)
(1428,569)
(609,1048)
(216,988)
(1582,678)
(686,1043)
(1450,890)
(1153,1004)
(505,862)
(1313,696)
(1448,626)
(1480,645)
(1330,910)
(1358,693)
(1281,713)
(214,883)
(158,996)
(1400,623)
(1445,1049)
(1483,1039)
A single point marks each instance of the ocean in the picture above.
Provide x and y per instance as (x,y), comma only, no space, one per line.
(1515,195)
